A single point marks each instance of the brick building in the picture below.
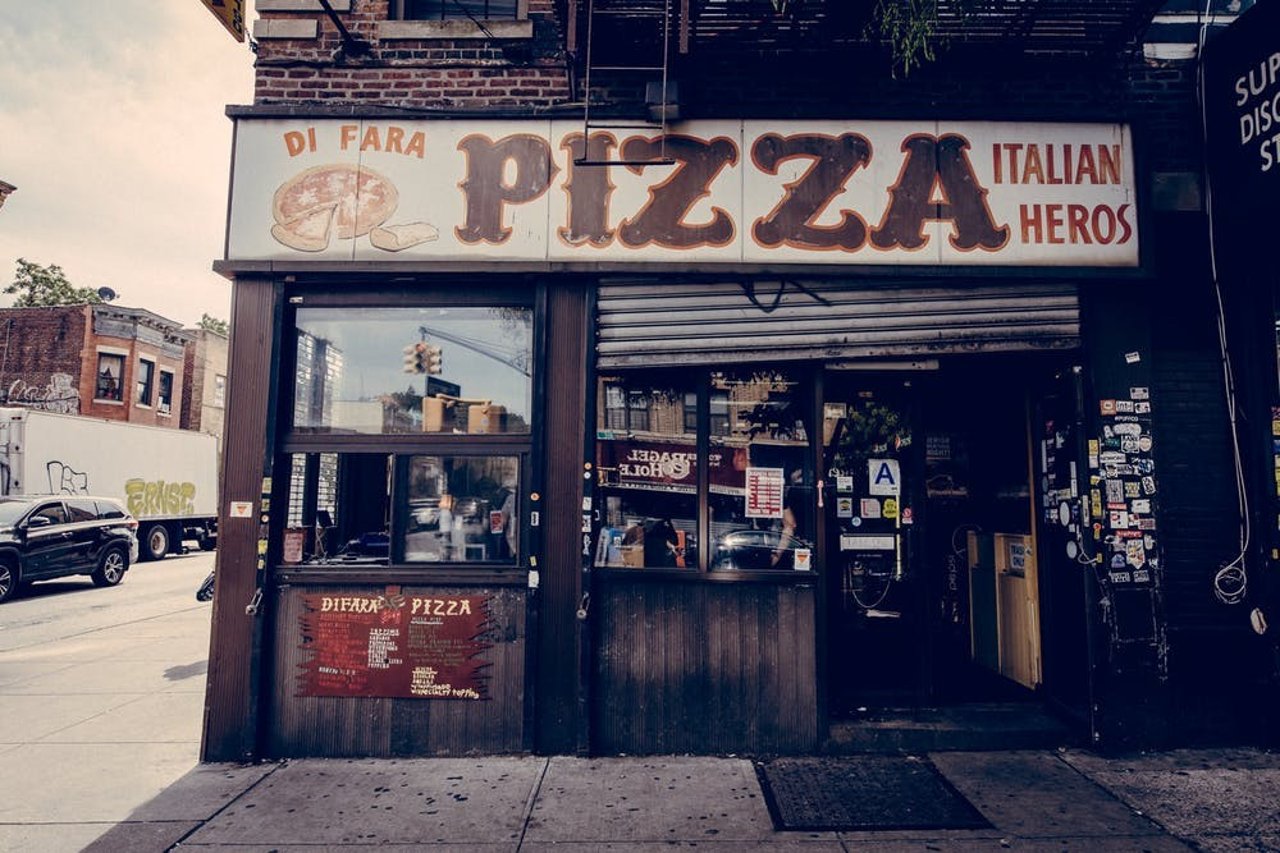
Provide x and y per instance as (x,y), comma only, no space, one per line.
(104,361)
(204,394)
(683,379)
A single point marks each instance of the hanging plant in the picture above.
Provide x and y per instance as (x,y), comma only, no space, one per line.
(909,28)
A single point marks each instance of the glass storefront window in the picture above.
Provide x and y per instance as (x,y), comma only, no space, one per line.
(460,369)
(761,470)
(759,481)
(647,471)
(463,509)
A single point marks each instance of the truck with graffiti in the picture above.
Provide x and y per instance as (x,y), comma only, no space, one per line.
(167,478)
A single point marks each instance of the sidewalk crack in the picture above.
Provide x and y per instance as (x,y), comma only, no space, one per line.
(199,826)
(527,816)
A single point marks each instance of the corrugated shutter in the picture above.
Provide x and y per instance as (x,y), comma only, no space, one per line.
(672,324)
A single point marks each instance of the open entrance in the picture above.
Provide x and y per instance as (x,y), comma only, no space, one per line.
(939,590)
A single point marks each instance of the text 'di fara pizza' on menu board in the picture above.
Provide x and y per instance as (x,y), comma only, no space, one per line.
(395,646)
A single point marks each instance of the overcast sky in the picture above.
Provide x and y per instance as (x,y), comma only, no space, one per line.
(114,131)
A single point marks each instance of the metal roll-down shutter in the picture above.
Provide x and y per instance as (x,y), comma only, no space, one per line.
(672,323)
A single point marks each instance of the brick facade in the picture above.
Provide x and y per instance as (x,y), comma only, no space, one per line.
(203,406)
(49,359)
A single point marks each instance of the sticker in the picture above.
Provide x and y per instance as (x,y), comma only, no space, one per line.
(883,477)
(1135,553)
(1119,519)
(1148,485)
(1131,489)
(1073,550)
(1144,443)
(1095,501)
(834,411)
(866,543)
(890,508)
(240,509)
(496,520)
(1118,561)
(1064,513)
(1134,429)
(1115,491)
(1142,407)
(1107,407)
(1093,453)
(1142,507)
(844,484)
(1146,524)
(1112,457)
(1124,407)
(534,518)
(1149,542)
(1140,393)
(908,517)
(803,559)
(1142,575)
(1129,444)
(870,507)
(1132,357)
(844,507)
(586,504)
(856,521)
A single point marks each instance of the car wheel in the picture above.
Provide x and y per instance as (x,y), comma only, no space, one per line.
(111,567)
(155,544)
(8,579)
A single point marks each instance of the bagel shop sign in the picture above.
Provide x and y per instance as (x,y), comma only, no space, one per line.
(828,192)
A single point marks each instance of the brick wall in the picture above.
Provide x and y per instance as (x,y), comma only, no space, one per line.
(39,346)
(463,73)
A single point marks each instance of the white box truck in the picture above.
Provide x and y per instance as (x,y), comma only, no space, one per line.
(166,478)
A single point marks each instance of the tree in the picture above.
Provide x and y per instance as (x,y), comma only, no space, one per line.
(41,287)
(213,324)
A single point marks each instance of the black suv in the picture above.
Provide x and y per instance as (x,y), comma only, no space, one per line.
(52,536)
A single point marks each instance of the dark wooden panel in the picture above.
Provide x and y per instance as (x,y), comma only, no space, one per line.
(704,668)
(558,636)
(230,725)
(347,726)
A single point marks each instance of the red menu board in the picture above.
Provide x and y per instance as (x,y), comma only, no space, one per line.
(396,646)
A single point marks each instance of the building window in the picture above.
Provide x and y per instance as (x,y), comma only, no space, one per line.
(440,400)
(146,379)
(110,377)
(445,10)
(219,390)
(449,370)
(165,397)
(751,490)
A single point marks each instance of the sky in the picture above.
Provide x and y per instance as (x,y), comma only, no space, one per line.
(113,129)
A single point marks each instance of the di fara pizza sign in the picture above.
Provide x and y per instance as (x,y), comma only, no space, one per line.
(956,193)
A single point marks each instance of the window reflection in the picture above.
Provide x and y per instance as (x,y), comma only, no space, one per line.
(403,370)
(646,465)
(463,509)
(761,473)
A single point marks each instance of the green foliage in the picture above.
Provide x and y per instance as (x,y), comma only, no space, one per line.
(213,324)
(40,287)
(909,28)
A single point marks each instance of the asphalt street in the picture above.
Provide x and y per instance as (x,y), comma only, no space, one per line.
(101,697)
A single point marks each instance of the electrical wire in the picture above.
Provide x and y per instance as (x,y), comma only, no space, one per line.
(1231,582)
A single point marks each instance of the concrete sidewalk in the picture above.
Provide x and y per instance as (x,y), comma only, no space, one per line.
(1216,800)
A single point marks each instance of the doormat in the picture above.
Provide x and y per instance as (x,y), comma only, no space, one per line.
(863,792)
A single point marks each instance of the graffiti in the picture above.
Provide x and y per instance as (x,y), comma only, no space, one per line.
(58,396)
(157,497)
(65,480)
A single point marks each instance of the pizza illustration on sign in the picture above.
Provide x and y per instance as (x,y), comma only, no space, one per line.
(341,201)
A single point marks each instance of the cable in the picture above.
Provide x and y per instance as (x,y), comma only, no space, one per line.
(1231,582)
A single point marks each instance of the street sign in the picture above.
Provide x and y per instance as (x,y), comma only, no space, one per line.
(230,13)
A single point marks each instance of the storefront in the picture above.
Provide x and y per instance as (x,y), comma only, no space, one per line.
(777,423)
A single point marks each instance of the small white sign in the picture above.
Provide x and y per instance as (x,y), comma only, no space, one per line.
(240,509)
(804,560)
(884,477)
(764,493)
(866,543)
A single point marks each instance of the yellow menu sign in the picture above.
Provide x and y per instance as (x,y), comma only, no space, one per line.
(230,13)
